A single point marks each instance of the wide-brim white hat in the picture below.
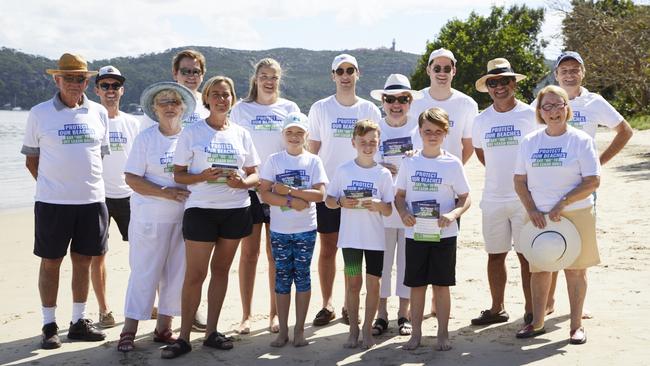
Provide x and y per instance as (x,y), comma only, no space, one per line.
(552,248)
(497,67)
(146,99)
(396,84)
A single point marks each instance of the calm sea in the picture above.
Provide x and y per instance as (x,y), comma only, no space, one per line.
(17,186)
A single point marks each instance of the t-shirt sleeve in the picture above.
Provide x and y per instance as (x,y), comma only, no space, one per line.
(461,183)
(251,158)
(314,123)
(318,172)
(375,113)
(31,145)
(106,142)
(588,159)
(293,107)
(266,172)
(476,133)
(520,163)
(333,187)
(472,112)
(235,115)
(607,115)
(401,181)
(136,163)
(183,153)
(387,188)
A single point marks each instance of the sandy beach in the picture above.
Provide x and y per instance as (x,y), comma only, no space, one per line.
(618,297)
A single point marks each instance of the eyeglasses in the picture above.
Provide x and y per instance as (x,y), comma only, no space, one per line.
(551,106)
(187,72)
(168,102)
(437,69)
(402,99)
(109,86)
(349,71)
(494,82)
(77,79)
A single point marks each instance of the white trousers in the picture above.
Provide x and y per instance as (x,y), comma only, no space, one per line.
(395,242)
(157,261)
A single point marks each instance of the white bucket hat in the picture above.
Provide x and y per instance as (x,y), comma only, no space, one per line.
(552,248)
(396,84)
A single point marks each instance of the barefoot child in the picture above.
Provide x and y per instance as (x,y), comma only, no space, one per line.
(292,180)
(426,186)
(364,189)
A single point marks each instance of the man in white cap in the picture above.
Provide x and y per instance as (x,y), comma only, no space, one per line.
(331,122)
(123,127)
(496,135)
(65,140)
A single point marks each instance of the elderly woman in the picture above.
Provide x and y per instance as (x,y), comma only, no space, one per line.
(217,160)
(156,252)
(556,173)
(399,136)
(261,113)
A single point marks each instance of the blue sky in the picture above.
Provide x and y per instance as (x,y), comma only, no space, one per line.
(102,29)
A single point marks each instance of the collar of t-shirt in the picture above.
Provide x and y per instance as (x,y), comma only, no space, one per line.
(59,106)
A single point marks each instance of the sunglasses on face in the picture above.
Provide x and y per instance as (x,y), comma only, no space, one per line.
(109,86)
(349,71)
(437,69)
(402,99)
(168,102)
(77,79)
(187,72)
(494,82)
(551,106)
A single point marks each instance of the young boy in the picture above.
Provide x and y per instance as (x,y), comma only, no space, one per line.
(364,191)
(426,187)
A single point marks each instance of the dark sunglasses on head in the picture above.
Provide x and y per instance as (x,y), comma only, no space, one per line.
(402,99)
(349,71)
(437,69)
(77,79)
(186,72)
(109,86)
(168,102)
(494,82)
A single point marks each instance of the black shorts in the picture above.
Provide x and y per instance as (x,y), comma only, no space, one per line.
(210,224)
(328,220)
(261,212)
(83,227)
(120,210)
(353,257)
(429,263)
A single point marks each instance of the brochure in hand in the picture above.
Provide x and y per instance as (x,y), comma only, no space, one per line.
(226,170)
(291,179)
(394,149)
(361,194)
(426,220)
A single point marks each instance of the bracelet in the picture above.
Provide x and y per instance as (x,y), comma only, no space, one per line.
(289,199)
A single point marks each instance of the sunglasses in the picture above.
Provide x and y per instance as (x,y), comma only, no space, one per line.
(109,86)
(168,102)
(349,71)
(186,72)
(493,83)
(551,106)
(77,79)
(402,99)
(437,69)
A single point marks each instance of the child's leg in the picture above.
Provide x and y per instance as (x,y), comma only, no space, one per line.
(417,312)
(352,259)
(374,265)
(443,305)
(303,249)
(282,254)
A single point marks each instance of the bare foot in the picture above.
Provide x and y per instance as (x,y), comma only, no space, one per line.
(413,342)
(586,314)
(244,327)
(280,341)
(299,338)
(353,339)
(443,344)
(274,326)
(368,339)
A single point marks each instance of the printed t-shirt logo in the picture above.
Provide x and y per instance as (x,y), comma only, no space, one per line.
(167,162)
(117,141)
(343,127)
(221,153)
(502,136)
(451,123)
(77,133)
(267,123)
(578,121)
(548,157)
(357,185)
(194,117)
(425,181)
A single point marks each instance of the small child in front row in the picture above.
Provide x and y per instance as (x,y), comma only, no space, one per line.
(291,181)
(364,190)
(426,186)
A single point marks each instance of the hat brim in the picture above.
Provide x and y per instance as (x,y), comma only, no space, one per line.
(378,93)
(119,78)
(480,83)
(566,229)
(57,71)
(146,99)
(302,127)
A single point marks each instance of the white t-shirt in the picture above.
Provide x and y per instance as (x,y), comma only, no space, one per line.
(152,158)
(360,228)
(69,143)
(283,219)
(499,135)
(200,146)
(462,110)
(554,165)
(408,132)
(441,178)
(332,124)
(264,123)
(122,130)
(589,111)
(200,112)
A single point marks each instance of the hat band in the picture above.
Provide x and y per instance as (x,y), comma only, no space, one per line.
(500,70)
(397,86)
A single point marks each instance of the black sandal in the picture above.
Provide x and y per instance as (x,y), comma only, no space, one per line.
(379,326)
(178,348)
(219,341)
(405,327)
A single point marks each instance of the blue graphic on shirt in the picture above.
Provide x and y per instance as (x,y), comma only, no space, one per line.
(502,136)
(304,178)
(343,127)
(425,181)
(222,153)
(193,117)
(548,157)
(267,123)
(358,185)
(167,161)
(451,123)
(117,140)
(578,121)
(77,133)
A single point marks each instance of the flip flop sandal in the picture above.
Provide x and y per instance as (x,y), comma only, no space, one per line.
(178,348)
(126,342)
(405,327)
(166,336)
(379,326)
(219,341)
(578,336)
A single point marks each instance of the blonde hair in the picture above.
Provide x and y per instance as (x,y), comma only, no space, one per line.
(252,86)
(364,126)
(435,115)
(552,89)
(215,80)
(191,54)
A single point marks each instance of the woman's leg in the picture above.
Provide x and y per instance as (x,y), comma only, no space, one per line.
(576,283)
(224,252)
(540,282)
(274,326)
(197,259)
(250,252)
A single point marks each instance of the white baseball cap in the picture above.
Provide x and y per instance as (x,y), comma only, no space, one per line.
(296,119)
(109,72)
(344,57)
(441,52)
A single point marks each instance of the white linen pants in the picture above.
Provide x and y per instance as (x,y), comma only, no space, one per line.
(395,242)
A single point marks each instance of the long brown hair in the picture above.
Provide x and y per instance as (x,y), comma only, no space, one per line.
(252,88)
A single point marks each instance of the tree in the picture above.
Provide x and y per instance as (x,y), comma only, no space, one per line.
(512,33)
(613,38)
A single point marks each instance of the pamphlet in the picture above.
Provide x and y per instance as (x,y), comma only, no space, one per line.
(394,150)
(426,220)
(226,170)
(359,194)
(292,179)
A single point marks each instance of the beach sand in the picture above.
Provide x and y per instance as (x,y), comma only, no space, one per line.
(618,297)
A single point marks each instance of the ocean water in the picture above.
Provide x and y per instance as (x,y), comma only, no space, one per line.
(17,186)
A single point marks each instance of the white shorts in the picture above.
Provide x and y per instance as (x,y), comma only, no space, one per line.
(502,223)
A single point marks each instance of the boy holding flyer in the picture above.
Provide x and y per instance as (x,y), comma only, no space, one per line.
(364,191)
(426,187)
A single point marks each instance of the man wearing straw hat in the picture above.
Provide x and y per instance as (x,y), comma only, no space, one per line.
(496,135)
(65,140)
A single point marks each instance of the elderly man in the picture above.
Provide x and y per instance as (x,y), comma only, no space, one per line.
(496,135)
(65,140)
(123,127)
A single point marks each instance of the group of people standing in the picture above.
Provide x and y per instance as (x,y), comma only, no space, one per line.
(211,172)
